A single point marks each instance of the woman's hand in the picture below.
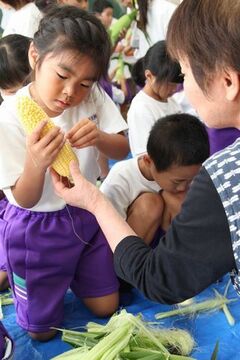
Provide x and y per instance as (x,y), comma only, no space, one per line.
(84,133)
(42,151)
(83,194)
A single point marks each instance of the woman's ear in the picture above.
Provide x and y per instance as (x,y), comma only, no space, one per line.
(231,84)
(32,56)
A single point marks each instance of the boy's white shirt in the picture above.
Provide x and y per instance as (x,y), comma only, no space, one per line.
(24,21)
(144,111)
(125,183)
(13,142)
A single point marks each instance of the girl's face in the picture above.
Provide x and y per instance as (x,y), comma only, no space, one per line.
(157,90)
(214,108)
(62,81)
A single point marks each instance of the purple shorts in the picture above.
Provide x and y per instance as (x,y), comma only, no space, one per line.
(45,258)
(3,204)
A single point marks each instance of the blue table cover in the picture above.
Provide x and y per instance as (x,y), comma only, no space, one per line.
(206,328)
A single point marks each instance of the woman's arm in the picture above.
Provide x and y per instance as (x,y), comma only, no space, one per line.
(195,252)
(95,202)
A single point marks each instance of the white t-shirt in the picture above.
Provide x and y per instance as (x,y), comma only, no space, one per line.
(24,21)
(144,111)
(124,183)
(158,16)
(183,102)
(99,106)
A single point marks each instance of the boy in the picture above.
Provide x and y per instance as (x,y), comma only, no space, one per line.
(176,147)
(103,9)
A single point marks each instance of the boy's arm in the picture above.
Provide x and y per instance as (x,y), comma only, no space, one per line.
(173,204)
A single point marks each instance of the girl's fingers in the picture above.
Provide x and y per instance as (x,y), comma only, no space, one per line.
(80,125)
(55,145)
(36,134)
(48,138)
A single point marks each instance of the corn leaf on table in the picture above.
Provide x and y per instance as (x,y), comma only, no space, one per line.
(206,328)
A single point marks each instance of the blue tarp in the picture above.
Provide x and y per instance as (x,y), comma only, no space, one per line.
(205,328)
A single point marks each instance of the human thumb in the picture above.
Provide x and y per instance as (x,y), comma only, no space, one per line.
(74,170)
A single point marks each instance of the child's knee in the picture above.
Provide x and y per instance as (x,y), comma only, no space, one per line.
(147,204)
(103,306)
(44,336)
(4,283)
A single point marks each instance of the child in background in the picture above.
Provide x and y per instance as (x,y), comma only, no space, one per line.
(24,20)
(103,9)
(14,65)
(159,77)
(50,246)
(176,147)
(154,16)
(14,73)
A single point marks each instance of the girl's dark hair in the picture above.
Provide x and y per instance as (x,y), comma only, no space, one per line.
(159,63)
(45,5)
(14,65)
(100,5)
(143,10)
(70,28)
(178,139)
(17,4)
(207,34)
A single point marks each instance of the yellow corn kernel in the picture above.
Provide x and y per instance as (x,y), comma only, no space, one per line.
(30,115)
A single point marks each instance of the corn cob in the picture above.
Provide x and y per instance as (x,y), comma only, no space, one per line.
(31,115)
(120,69)
(123,22)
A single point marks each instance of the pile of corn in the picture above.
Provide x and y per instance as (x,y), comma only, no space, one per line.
(126,336)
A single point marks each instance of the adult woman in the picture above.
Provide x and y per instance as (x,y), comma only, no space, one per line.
(203,242)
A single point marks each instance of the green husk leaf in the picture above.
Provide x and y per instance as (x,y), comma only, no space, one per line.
(215,351)
(126,334)
(208,305)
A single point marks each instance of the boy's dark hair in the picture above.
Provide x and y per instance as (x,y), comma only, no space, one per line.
(159,63)
(45,5)
(14,65)
(178,139)
(100,5)
(66,28)
(207,34)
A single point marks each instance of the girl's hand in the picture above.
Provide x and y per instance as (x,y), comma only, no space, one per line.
(42,151)
(83,194)
(84,133)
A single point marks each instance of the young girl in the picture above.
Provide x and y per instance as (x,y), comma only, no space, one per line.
(14,73)
(51,247)
(159,76)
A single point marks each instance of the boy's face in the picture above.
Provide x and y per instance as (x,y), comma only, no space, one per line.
(176,179)
(106,17)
